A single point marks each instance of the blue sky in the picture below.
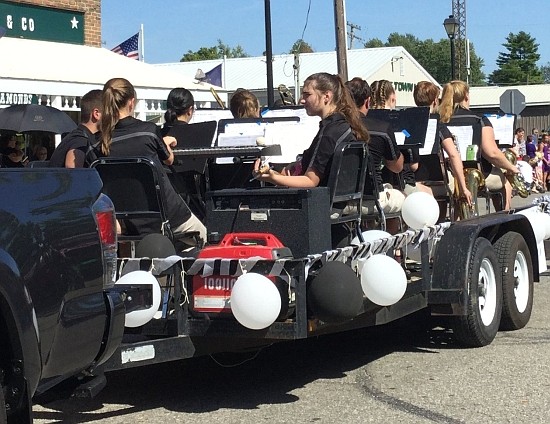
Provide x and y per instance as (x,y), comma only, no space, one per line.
(172,27)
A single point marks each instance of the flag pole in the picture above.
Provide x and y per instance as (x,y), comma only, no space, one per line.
(141,44)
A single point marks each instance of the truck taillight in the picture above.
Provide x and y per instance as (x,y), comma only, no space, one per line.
(104,213)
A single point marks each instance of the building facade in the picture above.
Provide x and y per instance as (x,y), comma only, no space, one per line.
(90,9)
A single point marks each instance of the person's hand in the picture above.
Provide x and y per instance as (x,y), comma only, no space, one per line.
(170,141)
(260,171)
(467,195)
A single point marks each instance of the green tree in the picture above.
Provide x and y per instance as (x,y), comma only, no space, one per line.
(519,64)
(434,56)
(214,52)
(545,71)
(300,46)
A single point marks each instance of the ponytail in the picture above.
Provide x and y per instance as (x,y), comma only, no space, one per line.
(117,92)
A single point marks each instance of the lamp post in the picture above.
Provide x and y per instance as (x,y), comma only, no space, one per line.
(451,26)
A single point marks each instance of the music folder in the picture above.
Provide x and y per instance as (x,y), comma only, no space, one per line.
(194,136)
(409,125)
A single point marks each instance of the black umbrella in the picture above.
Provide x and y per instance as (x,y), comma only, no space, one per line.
(24,118)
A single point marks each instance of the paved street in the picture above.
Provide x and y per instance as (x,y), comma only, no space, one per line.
(399,373)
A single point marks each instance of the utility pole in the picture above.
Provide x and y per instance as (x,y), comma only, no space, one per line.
(340,27)
(268,54)
(352,36)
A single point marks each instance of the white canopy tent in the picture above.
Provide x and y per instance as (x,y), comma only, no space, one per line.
(62,72)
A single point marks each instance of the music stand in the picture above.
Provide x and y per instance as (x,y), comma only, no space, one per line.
(409,124)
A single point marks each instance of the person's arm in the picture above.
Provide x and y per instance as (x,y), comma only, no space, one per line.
(74,159)
(310,179)
(457,167)
(395,166)
(170,142)
(492,153)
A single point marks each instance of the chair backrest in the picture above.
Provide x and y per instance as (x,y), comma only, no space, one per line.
(39,164)
(431,169)
(134,186)
(346,180)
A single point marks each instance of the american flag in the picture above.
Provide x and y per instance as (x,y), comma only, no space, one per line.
(128,48)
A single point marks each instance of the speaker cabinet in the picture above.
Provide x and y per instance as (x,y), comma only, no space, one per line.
(298,217)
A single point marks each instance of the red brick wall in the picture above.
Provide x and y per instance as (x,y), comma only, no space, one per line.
(92,15)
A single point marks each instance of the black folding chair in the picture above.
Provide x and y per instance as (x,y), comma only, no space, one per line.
(372,210)
(134,186)
(346,183)
(432,172)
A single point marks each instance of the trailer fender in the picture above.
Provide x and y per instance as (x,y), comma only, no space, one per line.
(454,251)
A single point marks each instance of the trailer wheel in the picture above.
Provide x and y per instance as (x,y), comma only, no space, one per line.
(517,281)
(3,412)
(480,324)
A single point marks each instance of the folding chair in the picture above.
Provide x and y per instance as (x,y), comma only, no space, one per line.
(346,183)
(432,172)
(372,211)
(134,186)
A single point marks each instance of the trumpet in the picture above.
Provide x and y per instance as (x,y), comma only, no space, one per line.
(475,182)
(516,180)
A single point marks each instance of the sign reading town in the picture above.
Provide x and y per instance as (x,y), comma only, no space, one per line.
(40,23)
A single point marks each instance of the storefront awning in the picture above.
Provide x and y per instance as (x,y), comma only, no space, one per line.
(59,69)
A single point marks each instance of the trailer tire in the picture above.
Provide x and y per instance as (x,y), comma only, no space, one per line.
(517,281)
(479,326)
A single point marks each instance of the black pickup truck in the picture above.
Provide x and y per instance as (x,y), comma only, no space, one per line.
(58,314)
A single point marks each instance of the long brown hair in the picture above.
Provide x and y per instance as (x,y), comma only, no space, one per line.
(117,92)
(454,93)
(342,100)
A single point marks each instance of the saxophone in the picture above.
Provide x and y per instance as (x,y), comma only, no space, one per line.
(516,180)
(475,182)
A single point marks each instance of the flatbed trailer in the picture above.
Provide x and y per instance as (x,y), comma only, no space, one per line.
(479,272)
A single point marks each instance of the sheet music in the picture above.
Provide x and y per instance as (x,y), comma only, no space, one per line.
(431,135)
(399,138)
(235,139)
(464,136)
(293,137)
(504,127)
(201,115)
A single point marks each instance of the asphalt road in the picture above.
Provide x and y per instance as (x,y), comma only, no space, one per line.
(404,372)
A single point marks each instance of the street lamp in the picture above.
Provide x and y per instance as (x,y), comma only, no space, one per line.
(451,26)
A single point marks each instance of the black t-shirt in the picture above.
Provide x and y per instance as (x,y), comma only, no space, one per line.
(149,145)
(319,154)
(167,127)
(382,144)
(77,139)
(443,132)
(464,117)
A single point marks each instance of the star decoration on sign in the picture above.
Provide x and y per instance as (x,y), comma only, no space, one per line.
(74,23)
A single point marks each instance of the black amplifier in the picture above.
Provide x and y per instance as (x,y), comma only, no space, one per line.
(300,218)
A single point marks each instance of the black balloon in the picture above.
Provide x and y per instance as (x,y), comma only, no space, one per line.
(155,246)
(335,294)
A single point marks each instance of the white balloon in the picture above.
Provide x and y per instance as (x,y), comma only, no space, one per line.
(141,316)
(255,301)
(419,210)
(371,235)
(383,280)
(537,221)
